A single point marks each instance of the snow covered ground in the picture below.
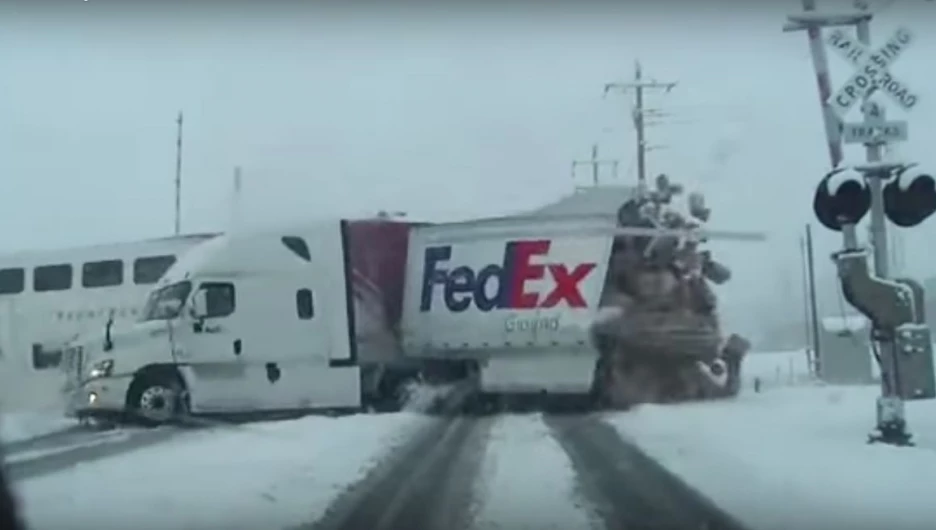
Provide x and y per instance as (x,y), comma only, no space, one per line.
(796,457)
(780,368)
(19,426)
(266,475)
(792,456)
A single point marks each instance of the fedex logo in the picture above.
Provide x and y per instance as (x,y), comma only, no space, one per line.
(462,285)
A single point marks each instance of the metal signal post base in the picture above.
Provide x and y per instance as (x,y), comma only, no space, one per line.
(891,424)
(887,305)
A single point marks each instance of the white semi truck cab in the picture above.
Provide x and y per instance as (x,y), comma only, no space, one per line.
(256,322)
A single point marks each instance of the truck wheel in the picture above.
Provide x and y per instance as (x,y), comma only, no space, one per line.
(156,398)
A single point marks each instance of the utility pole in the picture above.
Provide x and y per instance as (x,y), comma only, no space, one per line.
(807,320)
(595,162)
(178,177)
(638,85)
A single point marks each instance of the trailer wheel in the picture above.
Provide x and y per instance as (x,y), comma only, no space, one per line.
(157,397)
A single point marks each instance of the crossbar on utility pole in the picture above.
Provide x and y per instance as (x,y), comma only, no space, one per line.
(638,85)
(595,162)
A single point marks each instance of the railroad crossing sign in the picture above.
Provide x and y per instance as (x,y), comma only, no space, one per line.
(874,132)
(875,129)
(871,71)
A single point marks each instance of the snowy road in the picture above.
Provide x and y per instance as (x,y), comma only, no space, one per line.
(627,488)
(521,471)
(367,471)
(426,485)
(792,456)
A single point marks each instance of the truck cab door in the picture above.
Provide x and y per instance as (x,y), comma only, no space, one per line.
(210,352)
(286,351)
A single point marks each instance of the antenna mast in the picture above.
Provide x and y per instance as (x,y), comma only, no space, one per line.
(595,162)
(638,85)
(178,177)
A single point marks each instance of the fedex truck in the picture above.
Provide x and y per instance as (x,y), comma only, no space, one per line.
(338,315)
(341,314)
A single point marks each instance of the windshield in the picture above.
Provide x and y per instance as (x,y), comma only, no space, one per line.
(165,303)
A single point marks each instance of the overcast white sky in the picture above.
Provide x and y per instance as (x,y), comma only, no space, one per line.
(440,112)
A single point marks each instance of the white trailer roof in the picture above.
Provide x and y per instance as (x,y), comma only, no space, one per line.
(605,200)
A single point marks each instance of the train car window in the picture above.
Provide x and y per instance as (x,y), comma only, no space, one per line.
(43,359)
(304,306)
(12,281)
(52,278)
(150,269)
(106,273)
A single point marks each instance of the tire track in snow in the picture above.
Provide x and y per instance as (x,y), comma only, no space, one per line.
(50,449)
(628,488)
(55,458)
(528,482)
(48,440)
(426,485)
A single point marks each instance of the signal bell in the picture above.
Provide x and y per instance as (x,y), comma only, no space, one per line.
(910,197)
(842,197)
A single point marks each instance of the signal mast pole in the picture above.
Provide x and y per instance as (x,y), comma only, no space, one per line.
(638,85)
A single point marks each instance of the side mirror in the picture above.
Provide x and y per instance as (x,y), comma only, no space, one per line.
(199,305)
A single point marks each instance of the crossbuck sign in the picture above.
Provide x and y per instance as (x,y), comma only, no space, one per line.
(871,71)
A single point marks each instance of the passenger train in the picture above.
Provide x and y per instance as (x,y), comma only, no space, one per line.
(49,297)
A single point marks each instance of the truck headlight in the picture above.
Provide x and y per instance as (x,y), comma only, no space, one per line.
(101,368)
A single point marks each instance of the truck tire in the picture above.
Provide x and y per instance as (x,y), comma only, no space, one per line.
(157,397)
(393,391)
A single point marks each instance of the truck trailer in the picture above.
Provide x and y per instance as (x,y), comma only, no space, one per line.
(342,314)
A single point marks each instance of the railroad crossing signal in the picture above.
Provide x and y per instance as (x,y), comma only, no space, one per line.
(871,71)
(842,197)
(910,197)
